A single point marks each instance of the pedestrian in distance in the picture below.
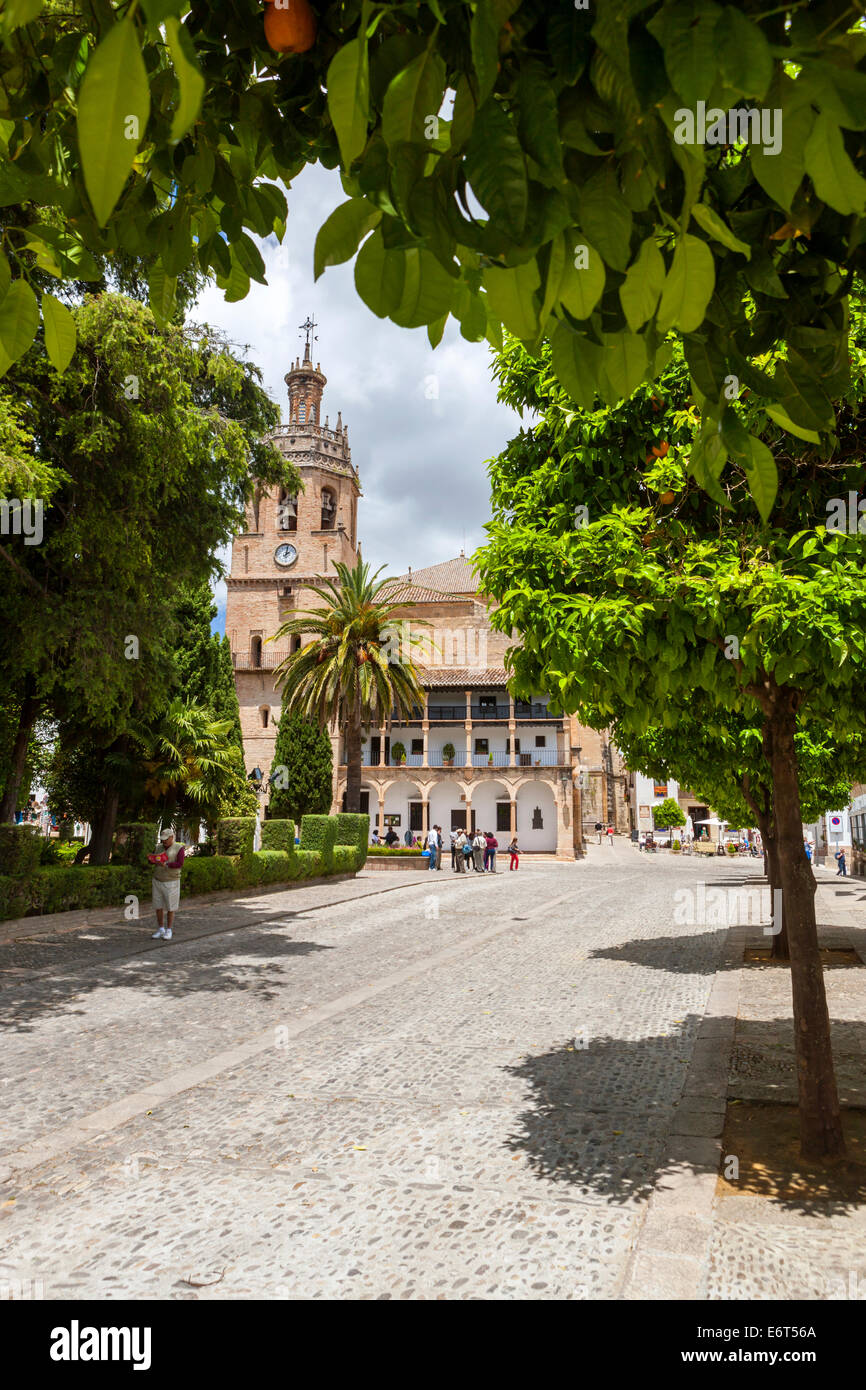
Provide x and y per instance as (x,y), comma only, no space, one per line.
(439,844)
(491,845)
(459,842)
(842,870)
(167,863)
(453,839)
(467,850)
(515,854)
(479,844)
(598,829)
(807,848)
(408,838)
(432,846)
(610,834)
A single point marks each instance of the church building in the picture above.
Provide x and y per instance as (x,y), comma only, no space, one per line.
(473,756)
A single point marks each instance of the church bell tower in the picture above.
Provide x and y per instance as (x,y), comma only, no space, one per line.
(290,544)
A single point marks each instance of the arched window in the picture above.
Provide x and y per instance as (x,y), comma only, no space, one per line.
(256,651)
(329,509)
(287,511)
(266,716)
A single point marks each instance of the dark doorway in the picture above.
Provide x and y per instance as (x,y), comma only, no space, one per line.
(365,803)
(416,815)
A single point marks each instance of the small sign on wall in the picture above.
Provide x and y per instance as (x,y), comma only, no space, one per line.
(392,819)
(644,812)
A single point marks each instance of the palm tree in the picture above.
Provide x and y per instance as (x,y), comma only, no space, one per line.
(349,674)
(187,753)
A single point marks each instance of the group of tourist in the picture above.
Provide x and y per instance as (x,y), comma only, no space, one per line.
(469,851)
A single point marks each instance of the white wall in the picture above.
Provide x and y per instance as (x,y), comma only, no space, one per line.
(530,795)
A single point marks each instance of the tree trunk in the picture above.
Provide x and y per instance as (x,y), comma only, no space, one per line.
(26,720)
(353,763)
(780,949)
(102,830)
(820,1119)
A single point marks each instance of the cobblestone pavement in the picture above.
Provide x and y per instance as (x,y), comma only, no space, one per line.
(417,1086)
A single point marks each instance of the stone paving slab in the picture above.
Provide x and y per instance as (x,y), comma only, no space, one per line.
(504,1088)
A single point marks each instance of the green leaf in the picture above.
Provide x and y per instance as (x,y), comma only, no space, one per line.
(19,320)
(189,78)
(5,275)
(555,267)
(745,56)
(781,418)
(753,456)
(340,235)
(487,22)
(463,115)
(428,290)
(511,297)
(60,336)
(623,365)
(18,12)
(413,99)
(348,84)
(113,107)
(831,170)
(538,118)
(576,362)
(496,169)
(583,277)
(250,257)
(435,331)
(380,276)
(688,286)
(236,284)
(713,225)
(162,290)
(605,217)
(686,31)
(639,292)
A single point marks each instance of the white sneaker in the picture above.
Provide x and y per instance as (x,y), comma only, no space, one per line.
(157,934)
(167,934)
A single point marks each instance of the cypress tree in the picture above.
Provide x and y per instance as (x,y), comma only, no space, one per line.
(305,752)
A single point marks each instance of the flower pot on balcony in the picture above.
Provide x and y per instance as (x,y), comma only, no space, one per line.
(447,762)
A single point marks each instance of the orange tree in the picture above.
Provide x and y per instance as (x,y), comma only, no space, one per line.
(640,165)
(660,594)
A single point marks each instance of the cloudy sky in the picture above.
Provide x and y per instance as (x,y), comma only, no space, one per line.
(421,456)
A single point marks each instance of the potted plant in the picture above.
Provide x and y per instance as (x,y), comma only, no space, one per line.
(676,847)
(398,753)
(448,755)
(489,759)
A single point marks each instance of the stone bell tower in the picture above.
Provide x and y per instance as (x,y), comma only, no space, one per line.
(289,545)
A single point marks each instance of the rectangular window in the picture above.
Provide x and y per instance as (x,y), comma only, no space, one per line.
(516,745)
(482,745)
(418,745)
(503,816)
(487,702)
(416,815)
(540,741)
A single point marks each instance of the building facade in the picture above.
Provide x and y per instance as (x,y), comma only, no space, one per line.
(472,756)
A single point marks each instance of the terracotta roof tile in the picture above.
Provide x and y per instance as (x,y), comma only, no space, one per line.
(461,678)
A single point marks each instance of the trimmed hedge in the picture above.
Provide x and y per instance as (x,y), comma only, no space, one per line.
(61,887)
(140,842)
(354,829)
(235,835)
(20,848)
(386,850)
(278,834)
(319,834)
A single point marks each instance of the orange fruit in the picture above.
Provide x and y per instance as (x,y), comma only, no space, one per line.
(666,498)
(290,30)
(660,450)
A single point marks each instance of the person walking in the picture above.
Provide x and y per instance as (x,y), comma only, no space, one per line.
(439,843)
(452,839)
(467,850)
(610,835)
(807,847)
(166,882)
(598,829)
(515,854)
(432,846)
(491,845)
(842,870)
(479,844)
(457,848)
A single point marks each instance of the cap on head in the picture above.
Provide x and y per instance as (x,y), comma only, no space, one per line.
(167,834)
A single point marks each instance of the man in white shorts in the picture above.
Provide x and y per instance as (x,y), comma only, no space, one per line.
(166,882)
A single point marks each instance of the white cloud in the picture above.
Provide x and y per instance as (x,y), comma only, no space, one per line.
(421,458)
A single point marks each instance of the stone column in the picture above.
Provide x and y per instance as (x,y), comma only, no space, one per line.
(425,813)
(382,732)
(564,831)
(513,817)
(425,730)
(468,727)
(381,813)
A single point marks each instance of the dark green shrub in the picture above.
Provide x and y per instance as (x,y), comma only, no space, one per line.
(15,896)
(20,848)
(382,851)
(207,874)
(309,863)
(235,835)
(346,859)
(354,829)
(319,833)
(279,835)
(65,887)
(274,865)
(134,842)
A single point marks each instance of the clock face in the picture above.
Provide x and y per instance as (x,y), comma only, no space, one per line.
(285,555)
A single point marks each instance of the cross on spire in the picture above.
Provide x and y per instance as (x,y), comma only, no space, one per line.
(308,327)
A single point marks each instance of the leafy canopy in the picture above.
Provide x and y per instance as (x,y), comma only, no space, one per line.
(159,131)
